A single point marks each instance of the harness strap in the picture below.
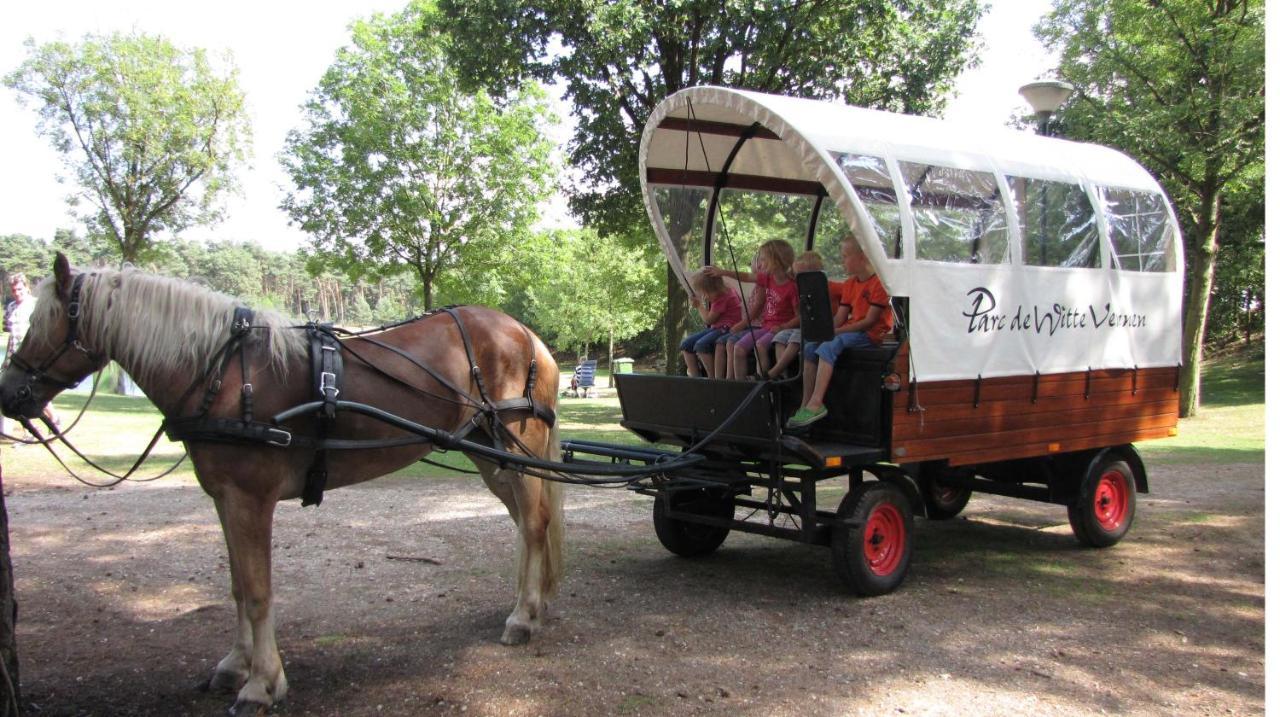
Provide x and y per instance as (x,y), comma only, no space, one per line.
(326,371)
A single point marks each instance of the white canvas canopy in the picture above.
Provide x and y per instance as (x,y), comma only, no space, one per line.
(1019,253)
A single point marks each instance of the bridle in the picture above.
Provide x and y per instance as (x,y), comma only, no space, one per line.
(40,374)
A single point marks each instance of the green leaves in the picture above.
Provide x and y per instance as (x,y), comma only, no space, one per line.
(150,132)
(398,167)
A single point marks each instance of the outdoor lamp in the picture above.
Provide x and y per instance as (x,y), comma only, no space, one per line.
(1045,98)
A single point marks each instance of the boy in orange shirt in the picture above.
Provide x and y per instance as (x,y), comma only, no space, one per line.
(862,321)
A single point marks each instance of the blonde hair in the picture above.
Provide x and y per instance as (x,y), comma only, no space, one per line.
(852,241)
(810,260)
(779,253)
(708,284)
(154,324)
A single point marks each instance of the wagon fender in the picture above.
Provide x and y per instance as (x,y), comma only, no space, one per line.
(903,479)
(1126,452)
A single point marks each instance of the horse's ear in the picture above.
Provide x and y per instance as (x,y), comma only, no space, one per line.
(62,275)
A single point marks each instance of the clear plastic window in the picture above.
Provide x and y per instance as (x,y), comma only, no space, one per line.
(958,214)
(747,219)
(1058,224)
(873,185)
(1141,233)
(684,212)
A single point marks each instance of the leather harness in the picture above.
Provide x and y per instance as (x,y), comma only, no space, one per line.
(326,363)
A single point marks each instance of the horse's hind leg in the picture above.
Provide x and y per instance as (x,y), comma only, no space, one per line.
(247,527)
(536,513)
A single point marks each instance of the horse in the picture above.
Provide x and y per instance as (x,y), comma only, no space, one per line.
(164,332)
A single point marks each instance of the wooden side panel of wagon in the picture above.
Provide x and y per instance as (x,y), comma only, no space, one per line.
(973,421)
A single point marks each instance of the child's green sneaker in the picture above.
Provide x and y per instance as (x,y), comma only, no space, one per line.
(807,416)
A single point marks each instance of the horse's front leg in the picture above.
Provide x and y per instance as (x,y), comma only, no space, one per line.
(247,525)
(233,670)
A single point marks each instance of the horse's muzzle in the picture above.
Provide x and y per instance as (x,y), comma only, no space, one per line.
(17,400)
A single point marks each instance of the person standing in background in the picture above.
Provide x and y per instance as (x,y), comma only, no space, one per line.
(17,319)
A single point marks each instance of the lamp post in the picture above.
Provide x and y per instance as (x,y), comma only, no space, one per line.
(1045,98)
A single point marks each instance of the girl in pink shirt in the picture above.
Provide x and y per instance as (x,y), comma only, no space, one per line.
(720,309)
(773,303)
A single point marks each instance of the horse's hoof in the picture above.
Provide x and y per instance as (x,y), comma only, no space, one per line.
(246,708)
(223,682)
(516,635)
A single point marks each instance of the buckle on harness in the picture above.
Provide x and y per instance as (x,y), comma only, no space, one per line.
(277,437)
(328,383)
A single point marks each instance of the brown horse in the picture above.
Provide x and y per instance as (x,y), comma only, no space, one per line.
(164,333)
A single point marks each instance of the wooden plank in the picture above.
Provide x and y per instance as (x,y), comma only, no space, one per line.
(924,421)
(911,450)
(927,424)
(691,178)
(1031,450)
(726,129)
(953,411)
(1019,388)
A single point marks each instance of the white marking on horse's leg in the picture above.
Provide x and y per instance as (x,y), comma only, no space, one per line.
(249,522)
(532,524)
(507,485)
(233,670)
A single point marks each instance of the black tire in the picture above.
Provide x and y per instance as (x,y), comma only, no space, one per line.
(880,514)
(690,540)
(944,502)
(1104,512)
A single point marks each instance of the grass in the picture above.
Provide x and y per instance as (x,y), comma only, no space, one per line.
(1228,429)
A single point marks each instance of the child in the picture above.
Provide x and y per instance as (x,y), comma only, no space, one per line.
(786,343)
(720,309)
(774,301)
(863,320)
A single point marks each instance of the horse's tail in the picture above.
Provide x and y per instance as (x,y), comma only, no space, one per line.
(553,503)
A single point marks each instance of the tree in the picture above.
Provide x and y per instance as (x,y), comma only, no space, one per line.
(398,168)
(148,131)
(1179,85)
(23,254)
(584,288)
(619,59)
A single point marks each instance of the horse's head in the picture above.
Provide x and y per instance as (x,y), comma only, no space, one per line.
(53,356)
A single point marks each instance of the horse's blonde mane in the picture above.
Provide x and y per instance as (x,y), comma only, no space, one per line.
(154,324)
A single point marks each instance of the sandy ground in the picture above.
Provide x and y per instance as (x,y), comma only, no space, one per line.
(124,607)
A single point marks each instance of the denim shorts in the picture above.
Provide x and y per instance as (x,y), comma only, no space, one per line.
(732,338)
(829,351)
(702,342)
(787,336)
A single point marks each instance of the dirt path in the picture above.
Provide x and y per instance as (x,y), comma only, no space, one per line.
(124,607)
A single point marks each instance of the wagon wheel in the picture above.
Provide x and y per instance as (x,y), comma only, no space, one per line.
(1104,511)
(871,548)
(689,540)
(943,502)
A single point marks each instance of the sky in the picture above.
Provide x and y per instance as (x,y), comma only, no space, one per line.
(283,47)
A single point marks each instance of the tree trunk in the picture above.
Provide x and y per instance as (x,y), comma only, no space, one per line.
(10,689)
(1202,255)
(675,323)
(610,357)
(680,212)
(425,276)
(1248,316)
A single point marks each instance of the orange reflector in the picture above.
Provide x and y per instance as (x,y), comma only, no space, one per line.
(833,462)
(1055,447)
(1173,431)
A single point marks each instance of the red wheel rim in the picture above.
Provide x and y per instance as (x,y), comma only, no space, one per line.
(1111,500)
(883,539)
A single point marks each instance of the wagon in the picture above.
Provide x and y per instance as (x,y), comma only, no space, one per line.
(1036,286)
